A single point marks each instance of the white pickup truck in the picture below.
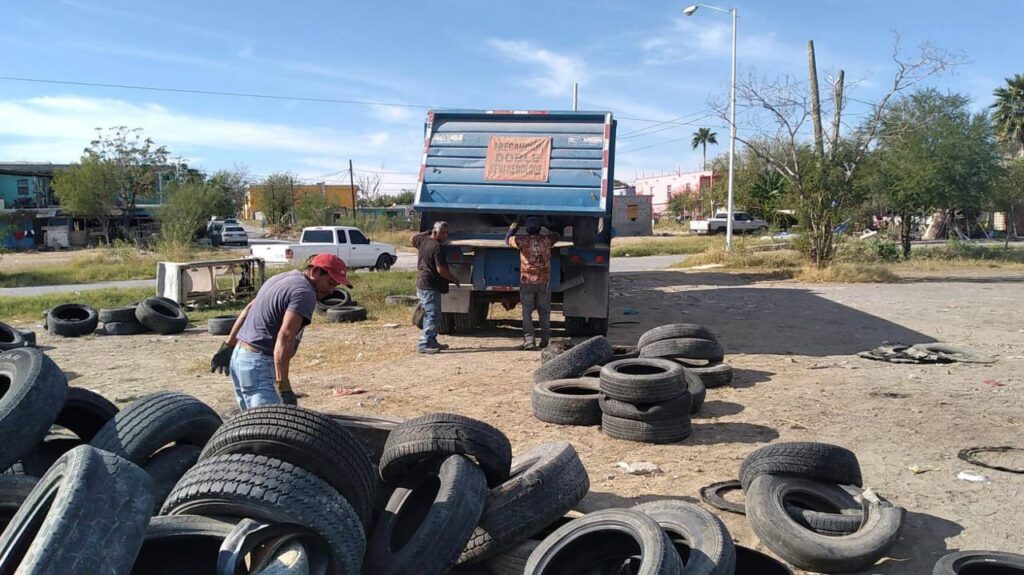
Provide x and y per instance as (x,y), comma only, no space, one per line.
(741,222)
(349,244)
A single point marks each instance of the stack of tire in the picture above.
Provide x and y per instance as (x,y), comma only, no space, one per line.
(340,307)
(692,345)
(805,501)
(561,394)
(647,400)
(153,314)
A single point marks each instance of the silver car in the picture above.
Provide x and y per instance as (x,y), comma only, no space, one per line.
(234,234)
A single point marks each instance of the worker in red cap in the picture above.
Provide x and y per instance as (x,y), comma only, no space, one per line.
(259,350)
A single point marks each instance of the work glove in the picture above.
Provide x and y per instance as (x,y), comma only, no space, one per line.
(514,226)
(284,389)
(221,361)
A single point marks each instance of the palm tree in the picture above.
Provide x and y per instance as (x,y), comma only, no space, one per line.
(702,137)
(1009,112)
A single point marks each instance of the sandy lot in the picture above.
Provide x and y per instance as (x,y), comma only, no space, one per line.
(798,378)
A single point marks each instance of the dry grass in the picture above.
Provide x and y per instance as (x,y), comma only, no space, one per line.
(638,247)
(848,273)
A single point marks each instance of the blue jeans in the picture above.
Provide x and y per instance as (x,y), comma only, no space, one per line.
(253,375)
(430,300)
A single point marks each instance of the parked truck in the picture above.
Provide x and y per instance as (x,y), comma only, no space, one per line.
(483,170)
(742,222)
(348,243)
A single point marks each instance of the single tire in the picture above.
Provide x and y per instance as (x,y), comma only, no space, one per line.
(593,371)
(406,300)
(462,323)
(710,550)
(335,298)
(574,361)
(14,490)
(713,374)
(684,348)
(567,401)
(221,325)
(371,431)
(952,354)
(675,408)
(272,491)
(28,336)
(674,331)
(125,328)
(695,385)
(160,316)
(714,495)
(141,429)
(821,461)
(546,483)
(166,467)
(643,380)
(512,561)
(85,412)
(117,314)
(766,497)
(37,461)
(384,263)
(35,391)
(556,348)
(72,320)
(87,515)
(425,527)
(10,338)
(425,442)
(305,438)
(346,313)
(178,544)
(751,562)
(661,431)
(980,562)
(610,536)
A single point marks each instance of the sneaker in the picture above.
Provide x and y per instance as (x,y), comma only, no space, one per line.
(528,345)
(438,346)
(428,350)
(543,342)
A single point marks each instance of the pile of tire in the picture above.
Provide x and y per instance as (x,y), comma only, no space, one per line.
(692,345)
(806,502)
(339,307)
(648,400)
(151,315)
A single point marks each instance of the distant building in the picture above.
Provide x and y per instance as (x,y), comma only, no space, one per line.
(341,196)
(25,185)
(631,215)
(662,188)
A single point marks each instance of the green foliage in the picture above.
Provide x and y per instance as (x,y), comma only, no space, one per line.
(232,184)
(665,246)
(134,161)
(875,250)
(1009,112)
(87,189)
(314,210)
(188,208)
(701,138)
(276,197)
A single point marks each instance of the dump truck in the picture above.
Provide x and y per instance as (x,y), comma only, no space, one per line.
(483,170)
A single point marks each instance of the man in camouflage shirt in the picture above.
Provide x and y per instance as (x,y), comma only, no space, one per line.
(534,277)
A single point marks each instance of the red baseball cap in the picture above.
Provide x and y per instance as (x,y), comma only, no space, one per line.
(334,266)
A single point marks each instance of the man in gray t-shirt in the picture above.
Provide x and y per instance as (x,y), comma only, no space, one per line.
(266,334)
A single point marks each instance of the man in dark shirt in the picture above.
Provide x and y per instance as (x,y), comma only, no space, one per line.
(259,350)
(432,281)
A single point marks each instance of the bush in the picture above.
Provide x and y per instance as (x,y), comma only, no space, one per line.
(876,250)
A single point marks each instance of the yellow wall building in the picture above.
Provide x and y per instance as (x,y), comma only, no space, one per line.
(338,195)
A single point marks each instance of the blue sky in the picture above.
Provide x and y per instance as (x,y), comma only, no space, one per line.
(644,61)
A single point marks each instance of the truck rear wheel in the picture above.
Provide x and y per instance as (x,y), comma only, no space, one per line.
(584,232)
(575,326)
(597,326)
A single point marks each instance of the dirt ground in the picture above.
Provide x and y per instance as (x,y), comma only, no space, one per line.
(798,378)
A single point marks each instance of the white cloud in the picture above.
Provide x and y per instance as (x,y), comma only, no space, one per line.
(689,39)
(392,114)
(557,71)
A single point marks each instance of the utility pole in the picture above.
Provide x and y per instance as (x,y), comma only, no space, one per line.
(352,184)
(575,96)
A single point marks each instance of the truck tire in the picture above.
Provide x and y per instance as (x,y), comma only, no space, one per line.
(14,490)
(160,316)
(72,320)
(597,326)
(966,562)
(85,487)
(684,348)
(463,323)
(335,298)
(674,408)
(141,429)
(574,547)
(166,468)
(221,324)
(109,315)
(546,483)
(272,491)
(659,431)
(575,361)
(675,331)
(448,505)
(132,327)
(707,541)
(10,338)
(371,431)
(643,380)
(384,263)
(812,551)
(713,374)
(346,313)
(305,438)
(513,560)
(695,385)
(575,326)
(424,442)
(821,461)
(567,401)
(177,544)
(35,393)
(85,412)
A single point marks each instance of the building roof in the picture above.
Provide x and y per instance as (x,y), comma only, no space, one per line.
(30,168)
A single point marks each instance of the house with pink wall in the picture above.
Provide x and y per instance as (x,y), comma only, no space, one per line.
(662,187)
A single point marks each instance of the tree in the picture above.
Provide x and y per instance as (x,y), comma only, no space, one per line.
(189,205)
(820,171)
(232,185)
(134,162)
(933,154)
(314,210)
(702,137)
(276,197)
(1008,195)
(1009,112)
(87,190)
(766,196)
(369,188)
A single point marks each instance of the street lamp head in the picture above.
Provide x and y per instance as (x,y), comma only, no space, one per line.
(689,10)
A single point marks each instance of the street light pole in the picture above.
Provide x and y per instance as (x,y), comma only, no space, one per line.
(689,11)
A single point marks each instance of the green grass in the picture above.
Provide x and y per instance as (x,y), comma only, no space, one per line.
(31,307)
(81,270)
(664,246)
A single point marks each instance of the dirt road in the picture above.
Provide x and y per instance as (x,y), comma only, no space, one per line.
(797,379)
